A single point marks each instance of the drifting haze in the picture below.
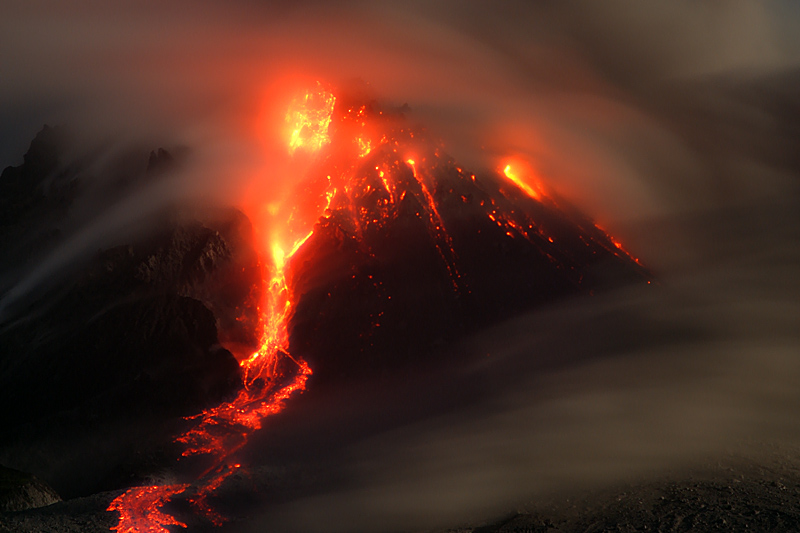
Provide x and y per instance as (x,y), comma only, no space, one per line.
(674,124)
(601,98)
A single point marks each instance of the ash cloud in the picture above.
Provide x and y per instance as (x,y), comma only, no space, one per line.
(674,124)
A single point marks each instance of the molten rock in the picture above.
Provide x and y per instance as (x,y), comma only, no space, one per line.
(413,251)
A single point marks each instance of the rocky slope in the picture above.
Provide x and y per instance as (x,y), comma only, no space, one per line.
(128,343)
(20,491)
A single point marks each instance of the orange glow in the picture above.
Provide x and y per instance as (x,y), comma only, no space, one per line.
(221,431)
(513,173)
(364,146)
(442,240)
(309,118)
(620,248)
(333,180)
(148,501)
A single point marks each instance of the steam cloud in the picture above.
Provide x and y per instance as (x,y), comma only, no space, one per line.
(674,124)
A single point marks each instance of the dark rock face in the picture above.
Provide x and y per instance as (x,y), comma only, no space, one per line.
(133,336)
(413,253)
(132,325)
(33,197)
(20,491)
(21,187)
(113,348)
(216,266)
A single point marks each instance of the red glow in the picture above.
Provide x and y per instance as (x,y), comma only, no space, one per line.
(620,250)
(309,117)
(364,146)
(221,431)
(444,244)
(146,502)
(365,170)
(521,175)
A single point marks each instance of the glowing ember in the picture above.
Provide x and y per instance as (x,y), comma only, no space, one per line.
(512,174)
(364,146)
(444,244)
(309,118)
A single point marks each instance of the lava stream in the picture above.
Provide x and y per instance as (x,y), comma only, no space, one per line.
(436,227)
(270,375)
(221,431)
(377,172)
(140,502)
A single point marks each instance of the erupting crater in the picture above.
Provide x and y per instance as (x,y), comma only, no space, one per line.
(387,248)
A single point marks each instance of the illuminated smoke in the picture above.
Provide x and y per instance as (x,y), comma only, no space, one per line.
(672,123)
(352,192)
(221,431)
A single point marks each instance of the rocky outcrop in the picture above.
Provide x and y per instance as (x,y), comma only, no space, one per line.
(21,186)
(20,491)
(124,340)
(34,198)
(131,336)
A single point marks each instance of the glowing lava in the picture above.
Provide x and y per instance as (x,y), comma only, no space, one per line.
(140,502)
(309,118)
(512,173)
(271,374)
(369,171)
(444,244)
(364,146)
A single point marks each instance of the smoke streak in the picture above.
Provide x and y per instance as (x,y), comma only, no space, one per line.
(590,393)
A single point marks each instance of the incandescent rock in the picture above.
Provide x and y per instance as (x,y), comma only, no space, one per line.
(414,252)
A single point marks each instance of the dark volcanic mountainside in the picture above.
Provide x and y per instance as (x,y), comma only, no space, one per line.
(413,251)
(33,197)
(133,335)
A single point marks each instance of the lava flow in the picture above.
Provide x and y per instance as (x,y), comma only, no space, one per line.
(271,374)
(385,201)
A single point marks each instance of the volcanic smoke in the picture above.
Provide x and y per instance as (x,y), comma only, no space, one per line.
(223,430)
(370,168)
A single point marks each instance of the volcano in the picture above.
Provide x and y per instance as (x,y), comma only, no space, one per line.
(413,251)
(384,251)
(383,254)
